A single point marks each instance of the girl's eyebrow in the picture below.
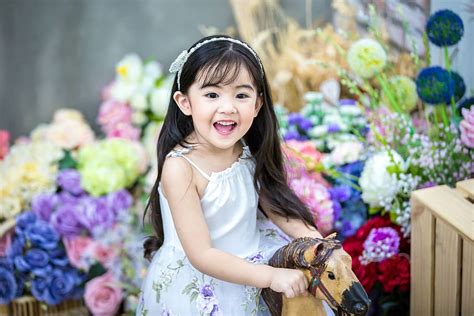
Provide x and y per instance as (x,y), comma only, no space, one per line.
(246,86)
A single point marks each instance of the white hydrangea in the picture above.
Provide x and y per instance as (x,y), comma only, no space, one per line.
(379,187)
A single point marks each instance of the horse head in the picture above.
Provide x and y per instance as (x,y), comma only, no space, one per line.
(328,269)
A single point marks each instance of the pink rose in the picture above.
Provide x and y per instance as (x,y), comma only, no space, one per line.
(124,130)
(467,127)
(103,296)
(112,113)
(4,143)
(105,255)
(77,249)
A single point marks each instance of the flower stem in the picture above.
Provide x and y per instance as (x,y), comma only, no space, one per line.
(388,93)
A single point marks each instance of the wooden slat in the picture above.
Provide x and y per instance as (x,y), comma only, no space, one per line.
(422,244)
(467,187)
(447,270)
(467,292)
(449,205)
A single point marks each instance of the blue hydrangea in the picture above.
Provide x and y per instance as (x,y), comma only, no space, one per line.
(459,86)
(444,28)
(434,85)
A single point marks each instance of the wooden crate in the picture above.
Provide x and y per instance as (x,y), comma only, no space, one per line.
(442,250)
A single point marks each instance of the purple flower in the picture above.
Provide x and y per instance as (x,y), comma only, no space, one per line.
(334,128)
(291,134)
(42,235)
(294,118)
(96,214)
(343,102)
(8,286)
(258,258)
(207,291)
(43,205)
(382,243)
(66,197)
(340,193)
(70,180)
(305,124)
(119,200)
(66,220)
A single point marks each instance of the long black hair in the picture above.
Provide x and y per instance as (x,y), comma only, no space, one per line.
(219,62)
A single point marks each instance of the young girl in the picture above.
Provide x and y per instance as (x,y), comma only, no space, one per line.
(219,163)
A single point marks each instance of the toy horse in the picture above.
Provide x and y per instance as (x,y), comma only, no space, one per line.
(328,269)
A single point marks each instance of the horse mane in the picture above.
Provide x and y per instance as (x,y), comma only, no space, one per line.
(291,256)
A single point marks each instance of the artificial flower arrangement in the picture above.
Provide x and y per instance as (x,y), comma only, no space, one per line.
(418,132)
(138,95)
(69,224)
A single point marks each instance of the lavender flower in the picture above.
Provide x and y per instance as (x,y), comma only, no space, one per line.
(43,205)
(119,200)
(70,180)
(207,302)
(96,214)
(382,243)
(66,220)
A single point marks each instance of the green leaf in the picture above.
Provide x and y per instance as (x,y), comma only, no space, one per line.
(96,270)
(67,162)
(374,210)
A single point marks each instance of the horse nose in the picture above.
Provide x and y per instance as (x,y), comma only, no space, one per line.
(360,308)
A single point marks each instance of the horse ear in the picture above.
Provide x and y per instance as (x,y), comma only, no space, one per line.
(331,236)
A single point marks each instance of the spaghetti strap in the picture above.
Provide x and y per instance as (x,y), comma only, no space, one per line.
(205,175)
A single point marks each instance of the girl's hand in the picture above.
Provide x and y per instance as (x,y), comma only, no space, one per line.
(290,282)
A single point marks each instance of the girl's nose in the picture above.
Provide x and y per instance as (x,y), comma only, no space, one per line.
(227,109)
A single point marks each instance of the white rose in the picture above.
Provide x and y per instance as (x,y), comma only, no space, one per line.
(130,68)
(138,102)
(378,186)
(123,91)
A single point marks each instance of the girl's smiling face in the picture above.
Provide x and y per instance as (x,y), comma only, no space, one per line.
(222,113)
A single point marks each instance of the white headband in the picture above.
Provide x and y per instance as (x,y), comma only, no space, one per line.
(178,63)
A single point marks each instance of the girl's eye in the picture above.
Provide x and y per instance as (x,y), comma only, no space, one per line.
(331,276)
(211,95)
(242,96)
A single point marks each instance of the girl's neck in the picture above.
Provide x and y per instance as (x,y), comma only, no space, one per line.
(206,150)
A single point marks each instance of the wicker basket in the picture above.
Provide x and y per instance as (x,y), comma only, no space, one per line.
(29,306)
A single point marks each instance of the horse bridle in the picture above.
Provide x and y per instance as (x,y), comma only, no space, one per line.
(316,273)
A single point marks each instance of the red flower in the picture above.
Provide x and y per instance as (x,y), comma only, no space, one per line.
(394,272)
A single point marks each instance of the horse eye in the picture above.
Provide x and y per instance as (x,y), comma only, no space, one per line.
(331,276)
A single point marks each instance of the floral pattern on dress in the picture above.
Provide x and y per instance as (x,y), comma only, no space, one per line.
(166,278)
(204,296)
(252,294)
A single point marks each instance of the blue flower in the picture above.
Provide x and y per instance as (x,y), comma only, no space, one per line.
(459,86)
(61,285)
(444,28)
(58,257)
(291,134)
(21,264)
(6,263)
(42,235)
(8,286)
(340,193)
(23,221)
(39,288)
(16,247)
(37,258)
(434,85)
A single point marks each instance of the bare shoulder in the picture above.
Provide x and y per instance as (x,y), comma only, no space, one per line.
(176,177)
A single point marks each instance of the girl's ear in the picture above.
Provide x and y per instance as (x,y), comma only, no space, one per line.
(183,103)
(258,104)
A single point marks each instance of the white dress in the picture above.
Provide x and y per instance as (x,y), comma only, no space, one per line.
(229,203)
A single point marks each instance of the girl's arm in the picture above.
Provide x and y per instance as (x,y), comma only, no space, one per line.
(291,226)
(184,202)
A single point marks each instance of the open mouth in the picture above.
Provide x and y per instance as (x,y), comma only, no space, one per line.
(225,127)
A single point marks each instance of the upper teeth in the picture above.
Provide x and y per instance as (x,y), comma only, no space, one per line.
(225,123)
